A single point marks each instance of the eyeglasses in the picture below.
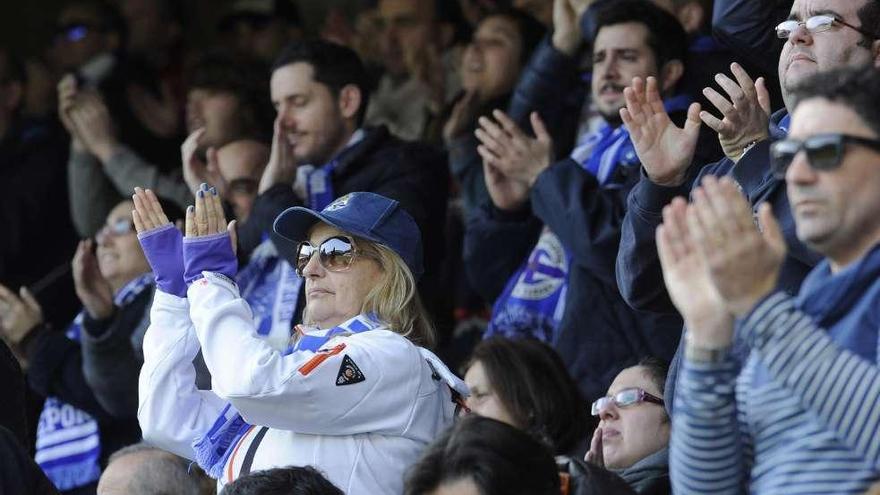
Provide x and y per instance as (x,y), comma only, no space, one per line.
(824,151)
(816,24)
(624,398)
(119,227)
(336,254)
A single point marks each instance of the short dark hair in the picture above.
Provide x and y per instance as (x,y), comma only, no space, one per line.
(498,458)
(666,37)
(245,77)
(534,386)
(291,480)
(335,66)
(855,87)
(656,369)
(531,30)
(869,16)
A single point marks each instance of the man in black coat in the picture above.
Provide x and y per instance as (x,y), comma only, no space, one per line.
(320,151)
(580,201)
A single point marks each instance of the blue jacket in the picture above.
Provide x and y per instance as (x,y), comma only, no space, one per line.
(639,274)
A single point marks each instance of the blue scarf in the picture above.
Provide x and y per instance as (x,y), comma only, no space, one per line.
(271,288)
(533,301)
(214,448)
(835,302)
(68,441)
(268,283)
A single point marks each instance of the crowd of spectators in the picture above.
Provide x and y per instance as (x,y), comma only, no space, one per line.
(443,247)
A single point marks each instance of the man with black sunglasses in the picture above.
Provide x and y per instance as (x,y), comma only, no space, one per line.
(799,414)
(812,45)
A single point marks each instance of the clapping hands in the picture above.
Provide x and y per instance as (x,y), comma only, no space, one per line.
(716,262)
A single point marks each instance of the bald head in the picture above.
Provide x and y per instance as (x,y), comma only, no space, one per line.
(241,164)
(144,470)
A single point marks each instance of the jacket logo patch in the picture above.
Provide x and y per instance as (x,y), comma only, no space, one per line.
(349,373)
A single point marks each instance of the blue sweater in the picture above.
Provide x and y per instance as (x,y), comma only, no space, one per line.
(802,413)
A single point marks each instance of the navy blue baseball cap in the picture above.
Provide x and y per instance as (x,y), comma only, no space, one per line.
(363,214)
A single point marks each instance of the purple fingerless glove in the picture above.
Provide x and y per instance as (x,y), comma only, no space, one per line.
(212,253)
(163,247)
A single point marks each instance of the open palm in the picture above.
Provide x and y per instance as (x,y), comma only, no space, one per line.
(685,271)
(664,149)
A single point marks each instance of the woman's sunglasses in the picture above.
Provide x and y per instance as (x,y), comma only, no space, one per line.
(336,254)
(824,151)
(624,398)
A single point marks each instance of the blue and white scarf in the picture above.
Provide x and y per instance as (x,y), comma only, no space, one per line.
(214,448)
(68,441)
(533,301)
(271,288)
(269,284)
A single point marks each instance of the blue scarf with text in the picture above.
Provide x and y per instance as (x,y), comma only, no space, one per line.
(68,440)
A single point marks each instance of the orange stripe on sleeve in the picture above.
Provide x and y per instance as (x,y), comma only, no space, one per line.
(316,361)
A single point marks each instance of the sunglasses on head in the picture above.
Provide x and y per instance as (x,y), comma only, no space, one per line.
(336,254)
(624,398)
(824,151)
(816,24)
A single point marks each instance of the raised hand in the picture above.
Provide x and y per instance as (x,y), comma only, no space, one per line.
(665,150)
(463,114)
(161,241)
(742,261)
(688,281)
(507,148)
(93,124)
(92,289)
(595,455)
(18,314)
(210,242)
(567,36)
(195,170)
(281,168)
(745,112)
(506,193)
(67,93)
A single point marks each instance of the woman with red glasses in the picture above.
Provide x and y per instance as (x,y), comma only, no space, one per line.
(355,395)
(633,434)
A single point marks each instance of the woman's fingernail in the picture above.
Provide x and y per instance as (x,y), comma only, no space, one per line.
(214,191)
(204,186)
(201,193)
(189,209)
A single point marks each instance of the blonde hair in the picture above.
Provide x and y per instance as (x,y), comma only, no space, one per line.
(395,300)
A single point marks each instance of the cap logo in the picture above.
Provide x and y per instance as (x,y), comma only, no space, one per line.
(339,204)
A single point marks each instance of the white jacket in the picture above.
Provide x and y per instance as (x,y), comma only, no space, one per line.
(361,409)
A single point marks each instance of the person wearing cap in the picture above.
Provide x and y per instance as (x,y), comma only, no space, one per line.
(355,395)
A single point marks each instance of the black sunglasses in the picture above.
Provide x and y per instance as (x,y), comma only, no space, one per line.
(336,254)
(824,151)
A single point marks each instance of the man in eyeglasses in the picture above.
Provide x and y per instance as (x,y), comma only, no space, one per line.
(812,45)
(800,414)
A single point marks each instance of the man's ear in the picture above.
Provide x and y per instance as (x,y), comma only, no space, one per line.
(350,99)
(670,75)
(691,16)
